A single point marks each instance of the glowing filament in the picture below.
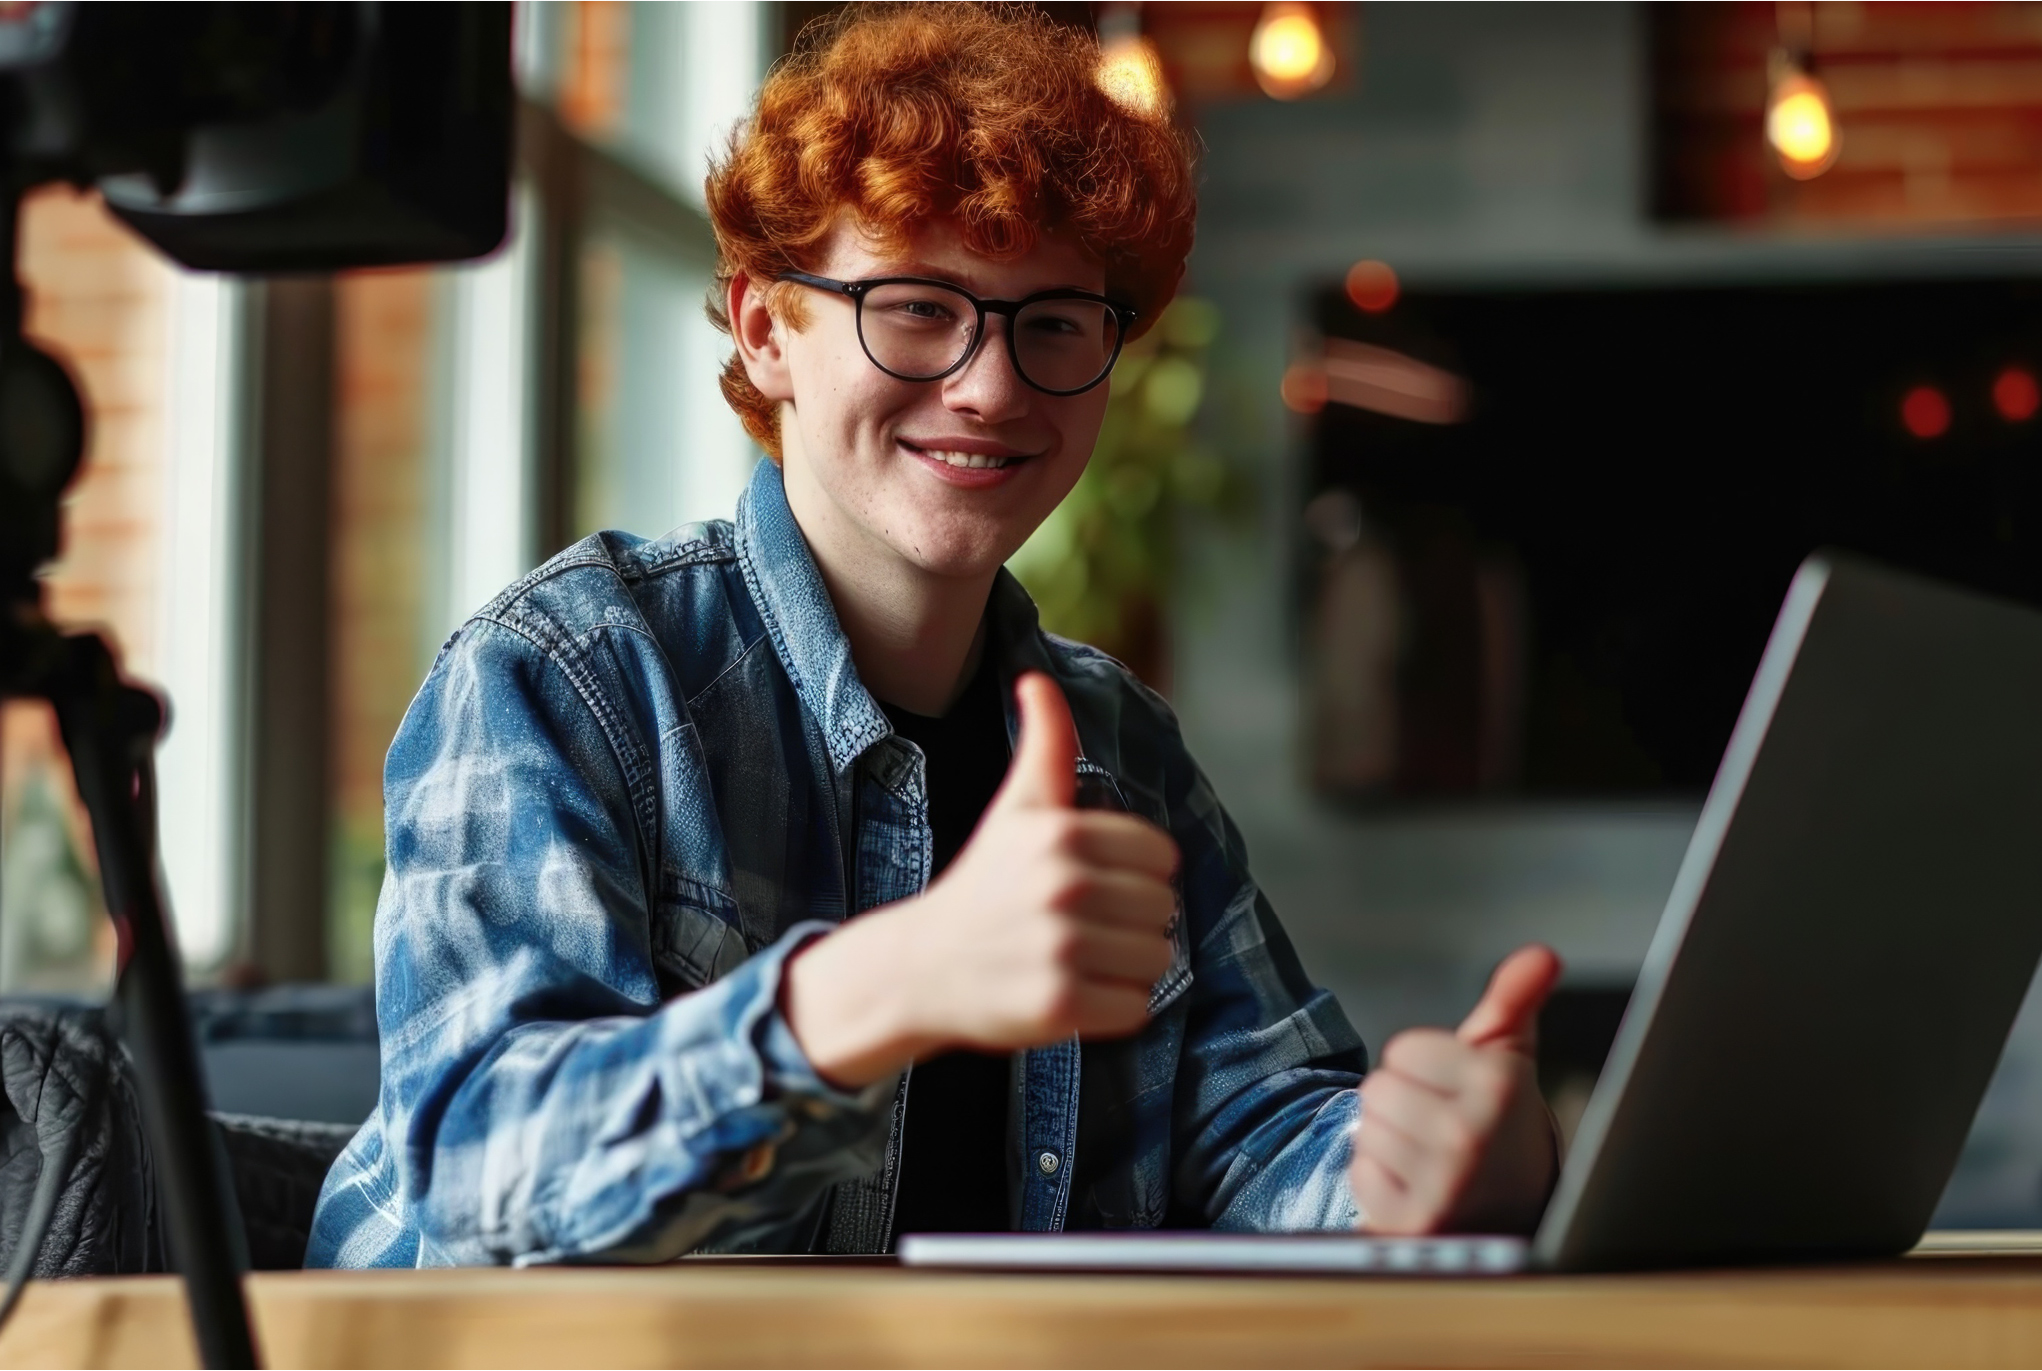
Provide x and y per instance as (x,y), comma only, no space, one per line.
(1289,51)
(1801,126)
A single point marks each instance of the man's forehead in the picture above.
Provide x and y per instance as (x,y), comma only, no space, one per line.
(938,249)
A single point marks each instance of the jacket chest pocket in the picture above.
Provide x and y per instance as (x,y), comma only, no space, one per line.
(696,935)
(1098,790)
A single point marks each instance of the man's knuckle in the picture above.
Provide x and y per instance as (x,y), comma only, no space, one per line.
(1402,1047)
(1494,1081)
(1069,887)
(1061,1003)
(1062,940)
(1459,1137)
(1166,856)
(1063,830)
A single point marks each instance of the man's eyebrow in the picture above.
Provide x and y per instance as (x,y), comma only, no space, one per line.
(933,272)
(919,268)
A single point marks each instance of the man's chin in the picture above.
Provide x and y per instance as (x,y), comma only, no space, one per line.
(957,555)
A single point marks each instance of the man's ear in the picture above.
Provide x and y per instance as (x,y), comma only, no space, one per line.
(761,339)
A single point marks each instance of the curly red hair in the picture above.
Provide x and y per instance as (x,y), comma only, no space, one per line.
(987,114)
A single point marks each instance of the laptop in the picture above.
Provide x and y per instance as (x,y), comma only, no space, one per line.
(1852,931)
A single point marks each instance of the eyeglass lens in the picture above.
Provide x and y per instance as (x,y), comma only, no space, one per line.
(921,331)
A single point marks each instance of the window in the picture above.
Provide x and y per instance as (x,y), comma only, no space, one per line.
(489,414)
(297,489)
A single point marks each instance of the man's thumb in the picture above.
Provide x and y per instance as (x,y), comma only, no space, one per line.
(1044,771)
(1508,1012)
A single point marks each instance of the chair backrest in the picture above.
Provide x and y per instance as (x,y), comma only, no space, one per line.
(68,1088)
(69,1099)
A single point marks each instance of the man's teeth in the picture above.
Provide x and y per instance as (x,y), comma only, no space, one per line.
(968,459)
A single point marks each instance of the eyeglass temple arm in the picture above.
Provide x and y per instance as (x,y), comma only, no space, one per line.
(802,278)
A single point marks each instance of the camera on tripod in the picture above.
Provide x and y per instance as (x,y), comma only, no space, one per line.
(238,137)
(235,137)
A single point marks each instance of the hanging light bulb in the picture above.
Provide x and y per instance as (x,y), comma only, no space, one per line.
(1289,50)
(1130,69)
(1800,121)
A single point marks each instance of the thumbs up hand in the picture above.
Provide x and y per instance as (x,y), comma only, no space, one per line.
(1051,921)
(1454,1135)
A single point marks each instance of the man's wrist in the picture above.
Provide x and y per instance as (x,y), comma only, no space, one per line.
(846,1002)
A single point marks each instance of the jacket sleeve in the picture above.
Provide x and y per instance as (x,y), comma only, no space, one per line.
(541,1102)
(1265,1090)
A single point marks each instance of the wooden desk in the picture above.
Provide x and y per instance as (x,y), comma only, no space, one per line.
(1969,1310)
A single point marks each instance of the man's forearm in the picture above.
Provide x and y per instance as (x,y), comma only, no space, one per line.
(841,997)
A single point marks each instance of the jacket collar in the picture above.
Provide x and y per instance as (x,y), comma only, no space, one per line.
(1014,637)
(795,605)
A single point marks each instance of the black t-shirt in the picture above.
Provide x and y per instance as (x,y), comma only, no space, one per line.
(953,1175)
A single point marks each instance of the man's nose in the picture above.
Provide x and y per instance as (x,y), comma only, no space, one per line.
(988,385)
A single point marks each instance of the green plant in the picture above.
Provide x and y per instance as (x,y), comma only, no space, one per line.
(1101,566)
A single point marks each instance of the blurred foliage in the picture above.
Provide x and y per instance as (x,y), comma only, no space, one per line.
(354,868)
(1101,566)
(55,937)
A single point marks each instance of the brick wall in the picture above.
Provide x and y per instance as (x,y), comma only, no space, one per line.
(1938,107)
(382,500)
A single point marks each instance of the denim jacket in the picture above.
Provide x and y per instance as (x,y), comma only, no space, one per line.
(637,781)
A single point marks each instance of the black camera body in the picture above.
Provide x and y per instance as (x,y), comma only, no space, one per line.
(239,137)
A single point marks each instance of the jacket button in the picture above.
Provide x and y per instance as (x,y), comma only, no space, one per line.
(1047,1163)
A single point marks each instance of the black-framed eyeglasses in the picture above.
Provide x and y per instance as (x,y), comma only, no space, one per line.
(1063,342)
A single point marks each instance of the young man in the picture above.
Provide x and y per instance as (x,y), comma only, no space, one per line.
(780,885)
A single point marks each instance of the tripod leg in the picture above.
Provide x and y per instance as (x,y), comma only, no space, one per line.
(109,728)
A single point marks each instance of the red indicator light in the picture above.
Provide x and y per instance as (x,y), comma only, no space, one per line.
(1926,412)
(1372,286)
(1304,388)
(2016,395)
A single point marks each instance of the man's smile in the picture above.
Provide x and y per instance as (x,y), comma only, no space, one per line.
(970,459)
(960,455)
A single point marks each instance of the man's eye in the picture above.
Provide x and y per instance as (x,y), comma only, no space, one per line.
(923,311)
(1056,326)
